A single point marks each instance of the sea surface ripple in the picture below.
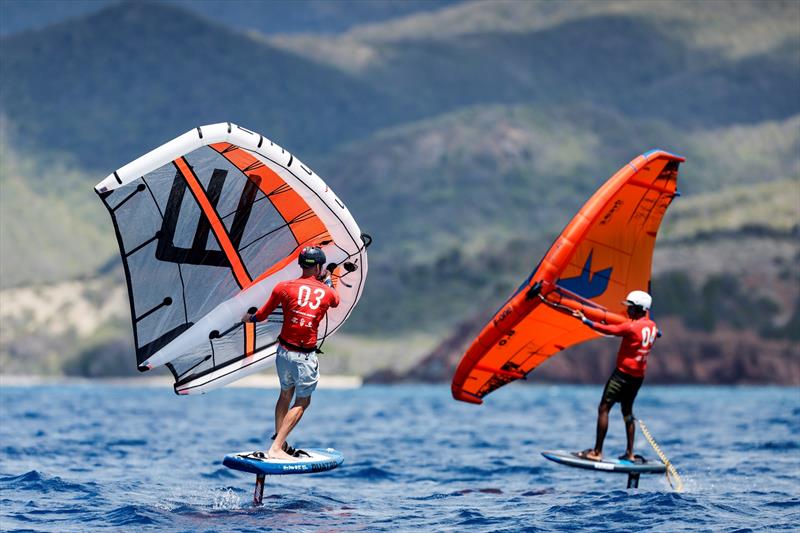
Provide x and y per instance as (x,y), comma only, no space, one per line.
(102,457)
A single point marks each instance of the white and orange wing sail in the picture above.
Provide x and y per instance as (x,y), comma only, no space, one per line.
(207,224)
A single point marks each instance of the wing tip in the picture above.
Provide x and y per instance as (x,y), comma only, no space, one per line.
(464,396)
(655,152)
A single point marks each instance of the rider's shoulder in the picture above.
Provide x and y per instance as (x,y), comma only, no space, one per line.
(646,320)
(283,285)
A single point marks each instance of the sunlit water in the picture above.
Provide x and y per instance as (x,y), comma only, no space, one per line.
(78,458)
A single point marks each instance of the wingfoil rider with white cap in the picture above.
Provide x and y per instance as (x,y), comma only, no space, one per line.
(638,335)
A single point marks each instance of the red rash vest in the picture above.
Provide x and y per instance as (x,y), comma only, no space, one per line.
(638,337)
(305,302)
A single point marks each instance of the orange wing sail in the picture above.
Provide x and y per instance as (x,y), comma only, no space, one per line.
(605,252)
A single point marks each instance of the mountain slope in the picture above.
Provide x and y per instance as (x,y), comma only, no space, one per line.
(462,140)
(736,29)
(276,16)
(76,85)
(627,64)
(462,206)
(52,227)
(707,61)
(111,86)
(727,316)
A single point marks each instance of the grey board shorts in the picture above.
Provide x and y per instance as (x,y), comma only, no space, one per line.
(297,369)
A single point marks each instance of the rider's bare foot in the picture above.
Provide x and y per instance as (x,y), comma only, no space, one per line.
(628,457)
(590,455)
(274,453)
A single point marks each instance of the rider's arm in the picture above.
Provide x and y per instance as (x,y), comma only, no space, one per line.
(268,307)
(335,294)
(606,329)
(335,298)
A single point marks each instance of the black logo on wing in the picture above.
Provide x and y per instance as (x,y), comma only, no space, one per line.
(198,253)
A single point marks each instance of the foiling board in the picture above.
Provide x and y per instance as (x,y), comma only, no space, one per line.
(606,465)
(253,462)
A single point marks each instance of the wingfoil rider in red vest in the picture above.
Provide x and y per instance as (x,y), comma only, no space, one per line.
(638,335)
(304,301)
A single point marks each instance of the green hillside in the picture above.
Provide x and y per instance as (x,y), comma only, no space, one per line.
(481,193)
(113,85)
(462,138)
(737,29)
(51,227)
(634,62)
(706,61)
(731,29)
(485,172)
(627,64)
(772,206)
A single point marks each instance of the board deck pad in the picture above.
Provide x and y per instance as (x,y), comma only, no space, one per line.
(606,465)
(320,461)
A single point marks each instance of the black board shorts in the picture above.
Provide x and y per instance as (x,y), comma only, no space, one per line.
(622,388)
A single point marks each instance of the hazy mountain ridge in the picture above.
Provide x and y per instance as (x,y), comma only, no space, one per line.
(129,59)
(126,83)
(591,61)
(738,28)
(730,29)
(275,16)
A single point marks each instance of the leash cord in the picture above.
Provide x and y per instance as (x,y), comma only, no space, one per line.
(671,471)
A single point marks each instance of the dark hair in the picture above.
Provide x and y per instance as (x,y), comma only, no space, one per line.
(636,309)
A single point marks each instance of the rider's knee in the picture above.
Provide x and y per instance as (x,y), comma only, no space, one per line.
(287,393)
(304,402)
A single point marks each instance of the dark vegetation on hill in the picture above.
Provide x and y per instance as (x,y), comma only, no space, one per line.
(714,332)
(596,61)
(482,193)
(722,356)
(722,300)
(114,85)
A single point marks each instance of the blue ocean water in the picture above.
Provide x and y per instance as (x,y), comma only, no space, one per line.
(78,458)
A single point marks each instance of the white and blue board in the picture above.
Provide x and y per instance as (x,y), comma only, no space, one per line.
(622,466)
(256,462)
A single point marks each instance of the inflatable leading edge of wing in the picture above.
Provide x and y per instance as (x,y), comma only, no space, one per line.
(603,253)
(207,224)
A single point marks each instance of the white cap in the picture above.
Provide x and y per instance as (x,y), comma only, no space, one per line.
(639,298)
